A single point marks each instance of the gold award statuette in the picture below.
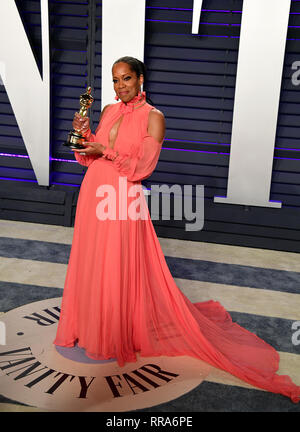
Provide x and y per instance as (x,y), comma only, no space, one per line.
(75,138)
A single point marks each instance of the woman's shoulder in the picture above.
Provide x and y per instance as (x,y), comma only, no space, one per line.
(155,115)
(109,108)
(151,107)
(156,123)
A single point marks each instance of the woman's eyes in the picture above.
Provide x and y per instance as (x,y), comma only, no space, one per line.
(125,79)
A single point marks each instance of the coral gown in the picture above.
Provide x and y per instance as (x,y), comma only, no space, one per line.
(119,296)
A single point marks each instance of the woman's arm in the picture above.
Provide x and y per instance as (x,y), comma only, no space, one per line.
(141,166)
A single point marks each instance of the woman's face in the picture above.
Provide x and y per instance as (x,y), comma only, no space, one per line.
(126,83)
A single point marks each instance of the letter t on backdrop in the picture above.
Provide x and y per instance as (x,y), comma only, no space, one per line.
(257,93)
(123,34)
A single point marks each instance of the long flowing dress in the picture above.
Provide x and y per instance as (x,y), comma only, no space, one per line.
(119,296)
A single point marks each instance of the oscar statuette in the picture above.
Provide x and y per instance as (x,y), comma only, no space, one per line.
(75,138)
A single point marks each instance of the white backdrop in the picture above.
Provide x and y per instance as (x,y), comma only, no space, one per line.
(259,74)
(123,34)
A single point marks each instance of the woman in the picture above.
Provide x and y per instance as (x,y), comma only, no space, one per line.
(119,296)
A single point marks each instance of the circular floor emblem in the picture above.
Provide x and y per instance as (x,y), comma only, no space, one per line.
(36,372)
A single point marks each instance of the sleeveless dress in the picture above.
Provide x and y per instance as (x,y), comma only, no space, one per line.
(119,296)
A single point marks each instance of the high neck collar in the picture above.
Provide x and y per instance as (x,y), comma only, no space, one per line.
(133,103)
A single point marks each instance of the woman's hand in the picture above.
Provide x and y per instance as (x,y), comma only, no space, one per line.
(81,124)
(93,148)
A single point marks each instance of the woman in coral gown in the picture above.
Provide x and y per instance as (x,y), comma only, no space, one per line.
(119,296)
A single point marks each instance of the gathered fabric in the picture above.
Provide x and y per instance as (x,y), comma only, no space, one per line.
(133,104)
(119,296)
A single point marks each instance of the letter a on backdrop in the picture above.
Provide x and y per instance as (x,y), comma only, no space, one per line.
(28,92)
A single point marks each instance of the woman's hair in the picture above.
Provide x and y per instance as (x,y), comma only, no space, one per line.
(138,67)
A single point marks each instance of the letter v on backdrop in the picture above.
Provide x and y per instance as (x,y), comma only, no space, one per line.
(28,92)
